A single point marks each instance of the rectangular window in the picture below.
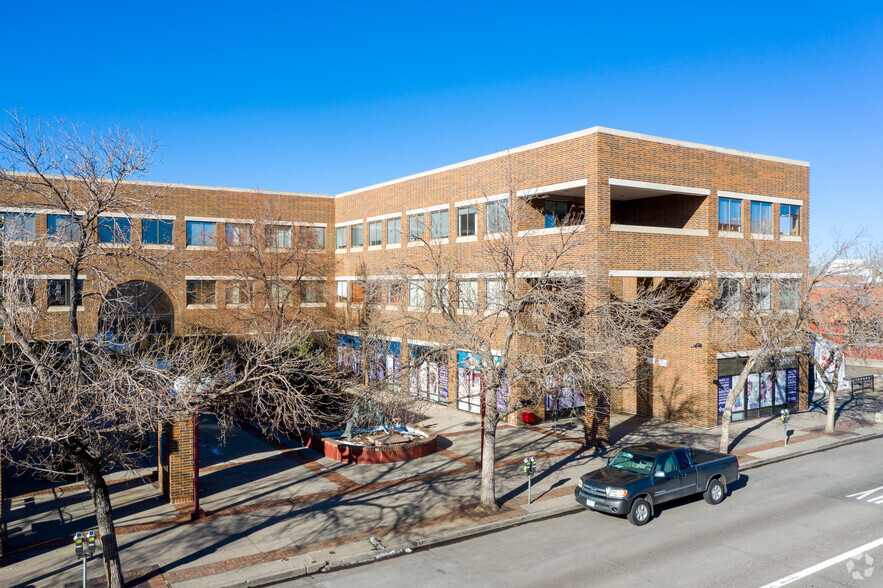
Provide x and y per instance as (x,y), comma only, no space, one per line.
(760,292)
(375,233)
(466,221)
(340,237)
(497,214)
(729,295)
(438,224)
(788,295)
(556,213)
(416,294)
(23,291)
(201,234)
(440,295)
(394,230)
(238,293)
(493,295)
(341,291)
(114,230)
(467,294)
(238,234)
(761,218)
(729,214)
(278,236)
(18,226)
(63,227)
(312,292)
(415,227)
(156,231)
(789,219)
(59,293)
(312,237)
(280,294)
(394,293)
(200,292)
(356,236)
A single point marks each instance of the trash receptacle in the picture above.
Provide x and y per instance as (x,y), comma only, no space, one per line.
(529,417)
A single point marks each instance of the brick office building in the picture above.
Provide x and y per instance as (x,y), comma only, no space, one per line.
(647,208)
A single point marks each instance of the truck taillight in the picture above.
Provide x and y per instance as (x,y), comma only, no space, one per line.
(737,463)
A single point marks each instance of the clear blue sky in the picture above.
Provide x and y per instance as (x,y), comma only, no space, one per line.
(331,96)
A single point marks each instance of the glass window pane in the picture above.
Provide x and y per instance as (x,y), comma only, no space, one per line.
(497,216)
(341,291)
(394,230)
(114,230)
(19,226)
(375,233)
(466,221)
(340,237)
(438,227)
(415,227)
(356,236)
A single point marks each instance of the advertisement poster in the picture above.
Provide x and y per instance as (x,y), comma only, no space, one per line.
(443,383)
(766,389)
(781,386)
(724,385)
(739,405)
(791,381)
(753,391)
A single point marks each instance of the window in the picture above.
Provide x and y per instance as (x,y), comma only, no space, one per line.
(438,224)
(312,237)
(341,291)
(467,294)
(312,292)
(201,234)
(24,291)
(114,230)
(394,231)
(556,213)
(729,214)
(761,217)
(729,295)
(394,293)
(493,295)
(18,226)
(440,296)
(788,295)
(356,236)
(789,219)
(280,294)
(760,293)
(237,293)
(375,233)
(156,231)
(238,234)
(466,221)
(59,292)
(200,292)
(278,236)
(497,214)
(416,294)
(415,227)
(340,237)
(63,227)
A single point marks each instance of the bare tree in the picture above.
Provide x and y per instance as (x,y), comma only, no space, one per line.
(71,402)
(545,322)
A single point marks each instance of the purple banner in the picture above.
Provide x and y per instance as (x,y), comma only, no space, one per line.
(791,384)
(724,384)
(443,382)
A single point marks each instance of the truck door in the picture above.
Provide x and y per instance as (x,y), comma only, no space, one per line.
(687,475)
(668,487)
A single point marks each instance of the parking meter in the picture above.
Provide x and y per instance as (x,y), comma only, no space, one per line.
(785,416)
(529,469)
(79,544)
(90,542)
(84,546)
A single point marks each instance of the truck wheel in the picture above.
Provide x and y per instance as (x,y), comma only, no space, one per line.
(715,493)
(640,512)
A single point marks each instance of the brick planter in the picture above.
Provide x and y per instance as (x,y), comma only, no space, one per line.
(344,452)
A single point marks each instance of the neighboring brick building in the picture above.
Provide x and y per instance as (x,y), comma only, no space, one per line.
(649,208)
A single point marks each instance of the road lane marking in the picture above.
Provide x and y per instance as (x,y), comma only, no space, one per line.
(865,494)
(825,564)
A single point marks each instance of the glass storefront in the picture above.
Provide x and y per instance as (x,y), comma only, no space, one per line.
(765,393)
(429,374)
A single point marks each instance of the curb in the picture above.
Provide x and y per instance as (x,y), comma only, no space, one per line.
(462,534)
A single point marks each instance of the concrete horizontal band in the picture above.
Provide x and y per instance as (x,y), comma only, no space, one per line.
(658,230)
(552,231)
(774,276)
(384,217)
(659,187)
(759,198)
(434,208)
(654,274)
(349,223)
(482,200)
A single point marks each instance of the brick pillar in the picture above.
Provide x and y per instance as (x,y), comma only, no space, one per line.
(176,460)
(597,420)
(1,512)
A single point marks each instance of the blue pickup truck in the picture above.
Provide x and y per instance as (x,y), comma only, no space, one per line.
(641,477)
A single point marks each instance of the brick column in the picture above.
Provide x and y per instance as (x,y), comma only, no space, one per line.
(176,460)
(1,512)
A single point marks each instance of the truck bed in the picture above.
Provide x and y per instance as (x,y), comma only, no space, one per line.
(703,456)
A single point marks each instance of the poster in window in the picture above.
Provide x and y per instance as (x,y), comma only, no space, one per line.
(791,385)
(724,385)
(753,391)
(739,404)
(766,389)
(443,382)
(781,386)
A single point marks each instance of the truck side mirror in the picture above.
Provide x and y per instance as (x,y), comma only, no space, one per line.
(659,474)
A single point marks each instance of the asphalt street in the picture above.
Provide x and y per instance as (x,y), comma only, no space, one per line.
(814,521)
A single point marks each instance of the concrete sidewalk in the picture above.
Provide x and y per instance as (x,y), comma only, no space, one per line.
(275,510)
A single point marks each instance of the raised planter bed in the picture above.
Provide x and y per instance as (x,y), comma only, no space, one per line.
(385,449)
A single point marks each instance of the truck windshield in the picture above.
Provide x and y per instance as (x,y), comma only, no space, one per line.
(632,462)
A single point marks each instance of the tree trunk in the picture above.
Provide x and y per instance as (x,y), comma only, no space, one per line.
(488,495)
(832,395)
(731,400)
(90,468)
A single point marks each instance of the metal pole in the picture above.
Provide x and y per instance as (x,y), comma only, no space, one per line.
(785,429)
(529,477)
(84,570)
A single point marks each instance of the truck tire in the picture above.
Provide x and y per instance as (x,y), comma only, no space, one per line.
(715,492)
(640,512)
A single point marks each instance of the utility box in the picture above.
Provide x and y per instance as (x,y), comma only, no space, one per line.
(529,417)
